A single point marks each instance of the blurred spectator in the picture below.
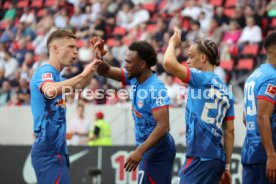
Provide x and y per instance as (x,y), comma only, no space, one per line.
(2,77)
(138,33)
(119,50)
(101,135)
(229,40)
(10,13)
(95,10)
(231,36)
(239,17)
(28,17)
(249,11)
(39,43)
(175,21)
(15,101)
(85,52)
(20,50)
(215,31)
(75,3)
(9,33)
(124,16)
(191,10)
(221,18)
(2,50)
(24,91)
(251,33)
(9,65)
(271,8)
(160,30)
(5,93)
(24,31)
(79,127)
(46,22)
(139,16)
(207,8)
(61,19)
(194,34)
(42,59)
(15,82)
(78,19)
(172,5)
(204,22)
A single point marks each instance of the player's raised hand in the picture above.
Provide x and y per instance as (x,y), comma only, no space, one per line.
(176,38)
(133,161)
(271,168)
(98,47)
(226,177)
(90,68)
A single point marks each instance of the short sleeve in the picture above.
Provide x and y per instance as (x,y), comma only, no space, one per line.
(267,91)
(43,76)
(160,98)
(195,77)
(230,113)
(125,79)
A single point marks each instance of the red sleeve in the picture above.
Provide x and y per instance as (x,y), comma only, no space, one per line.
(188,73)
(41,85)
(157,108)
(266,99)
(123,77)
(229,118)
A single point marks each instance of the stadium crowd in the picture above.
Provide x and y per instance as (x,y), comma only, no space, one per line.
(237,26)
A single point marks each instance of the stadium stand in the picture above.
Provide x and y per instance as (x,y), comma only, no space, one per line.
(119,23)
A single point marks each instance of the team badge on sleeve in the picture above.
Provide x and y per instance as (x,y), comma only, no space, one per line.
(47,76)
(271,90)
(160,101)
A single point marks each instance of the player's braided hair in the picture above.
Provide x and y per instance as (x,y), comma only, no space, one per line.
(145,51)
(269,41)
(60,33)
(209,48)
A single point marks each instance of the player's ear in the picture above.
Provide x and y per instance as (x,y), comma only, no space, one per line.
(144,64)
(54,47)
(203,58)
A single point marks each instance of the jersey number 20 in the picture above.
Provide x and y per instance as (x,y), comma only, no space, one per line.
(220,103)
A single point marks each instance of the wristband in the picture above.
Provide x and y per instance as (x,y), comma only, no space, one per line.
(227,167)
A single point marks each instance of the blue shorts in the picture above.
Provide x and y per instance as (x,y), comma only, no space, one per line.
(195,171)
(52,169)
(254,173)
(159,172)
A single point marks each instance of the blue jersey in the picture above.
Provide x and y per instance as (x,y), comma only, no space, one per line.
(146,98)
(261,84)
(48,114)
(209,104)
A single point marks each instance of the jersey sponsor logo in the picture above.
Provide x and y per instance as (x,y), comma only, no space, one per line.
(271,90)
(140,104)
(47,76)
(160,101)
(250,125)
(28,171)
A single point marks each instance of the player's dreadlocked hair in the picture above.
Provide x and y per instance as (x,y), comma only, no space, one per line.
(145,51)
(209,48)
(269,41)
